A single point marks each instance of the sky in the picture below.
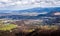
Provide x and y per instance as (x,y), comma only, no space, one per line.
(27,4)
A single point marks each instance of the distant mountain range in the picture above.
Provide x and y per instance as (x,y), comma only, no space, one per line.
(15,14)
(38,9)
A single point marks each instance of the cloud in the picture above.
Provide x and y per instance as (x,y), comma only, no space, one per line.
(29,13)
(23,4)
(57,13)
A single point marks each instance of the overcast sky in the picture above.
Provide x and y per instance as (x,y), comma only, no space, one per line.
(27,4)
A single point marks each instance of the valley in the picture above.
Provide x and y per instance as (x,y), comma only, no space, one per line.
(27,28)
